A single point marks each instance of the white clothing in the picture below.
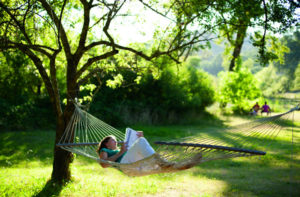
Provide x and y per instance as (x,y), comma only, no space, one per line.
(138,151)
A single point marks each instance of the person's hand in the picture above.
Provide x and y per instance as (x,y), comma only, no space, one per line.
(123,148)
(140,134)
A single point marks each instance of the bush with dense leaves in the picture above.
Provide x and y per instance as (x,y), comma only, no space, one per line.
(176,92)
(239,89)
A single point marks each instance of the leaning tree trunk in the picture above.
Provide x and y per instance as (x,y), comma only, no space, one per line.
(238,46)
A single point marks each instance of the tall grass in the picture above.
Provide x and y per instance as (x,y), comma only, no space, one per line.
(26,165)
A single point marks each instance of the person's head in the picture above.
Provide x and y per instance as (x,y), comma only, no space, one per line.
(265,102)
(109,142)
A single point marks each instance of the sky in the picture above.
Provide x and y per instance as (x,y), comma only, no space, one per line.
(140,26)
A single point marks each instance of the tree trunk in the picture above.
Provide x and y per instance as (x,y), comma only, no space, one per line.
(240,36)
(62,159)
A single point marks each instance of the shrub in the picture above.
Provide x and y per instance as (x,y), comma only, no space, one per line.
(238,88)
(164,99)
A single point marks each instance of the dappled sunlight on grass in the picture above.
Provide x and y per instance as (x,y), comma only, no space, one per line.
(255,176)
(187,185)
(19,148)
(26,166)
(24,181)
(110,182)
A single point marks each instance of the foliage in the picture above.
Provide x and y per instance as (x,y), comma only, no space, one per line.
(291,59)
(238,88)
(283,73)
(18,79)
(211,65)
(297,78)
(236,19)
(273,84)
(177,90)
(23,103)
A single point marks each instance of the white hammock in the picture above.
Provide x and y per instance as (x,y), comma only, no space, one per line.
(85,131)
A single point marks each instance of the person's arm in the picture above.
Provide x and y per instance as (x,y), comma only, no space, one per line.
(103,155)
(140,134)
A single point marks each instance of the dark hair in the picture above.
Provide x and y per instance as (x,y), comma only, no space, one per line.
(103,142)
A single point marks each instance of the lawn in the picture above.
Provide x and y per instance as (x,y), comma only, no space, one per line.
(26,165)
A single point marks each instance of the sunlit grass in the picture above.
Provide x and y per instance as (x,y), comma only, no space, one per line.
(26,166)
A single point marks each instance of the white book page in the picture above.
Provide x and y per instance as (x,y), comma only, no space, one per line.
(130,137)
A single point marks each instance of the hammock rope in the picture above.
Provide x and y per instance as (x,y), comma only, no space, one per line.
(85,131)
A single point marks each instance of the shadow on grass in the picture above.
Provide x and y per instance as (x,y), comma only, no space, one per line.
(17,147)
(275,174)
(50,189)
(252,179)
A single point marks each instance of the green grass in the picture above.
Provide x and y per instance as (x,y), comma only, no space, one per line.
(26,165)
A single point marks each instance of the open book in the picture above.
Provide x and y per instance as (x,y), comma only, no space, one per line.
(130,137)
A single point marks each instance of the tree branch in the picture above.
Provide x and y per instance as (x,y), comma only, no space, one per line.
(88,76)
(156,53)
(265,30)
(21,27)
(60,18)
(59,26)
(85,28)
(93,44)
(27,11)
(108,21)
(50,83)
(39,65)
(37,48)
(98,21)
(54,84)
(157,12)
(92,60)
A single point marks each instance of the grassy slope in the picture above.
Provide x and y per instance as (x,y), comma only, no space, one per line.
(26,158)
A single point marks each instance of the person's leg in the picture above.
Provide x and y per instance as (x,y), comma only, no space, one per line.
(138,151)
(145,148)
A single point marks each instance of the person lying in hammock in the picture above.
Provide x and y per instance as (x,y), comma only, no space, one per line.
(108,150)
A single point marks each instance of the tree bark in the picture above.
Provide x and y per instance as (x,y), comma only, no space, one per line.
(240,36)
(62,159)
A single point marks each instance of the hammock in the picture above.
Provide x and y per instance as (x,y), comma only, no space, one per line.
(84,132)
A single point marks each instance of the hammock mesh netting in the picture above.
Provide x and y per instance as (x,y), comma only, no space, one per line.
(84,132)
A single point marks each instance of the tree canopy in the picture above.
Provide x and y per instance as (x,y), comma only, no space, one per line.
(235,20)
(69,37)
